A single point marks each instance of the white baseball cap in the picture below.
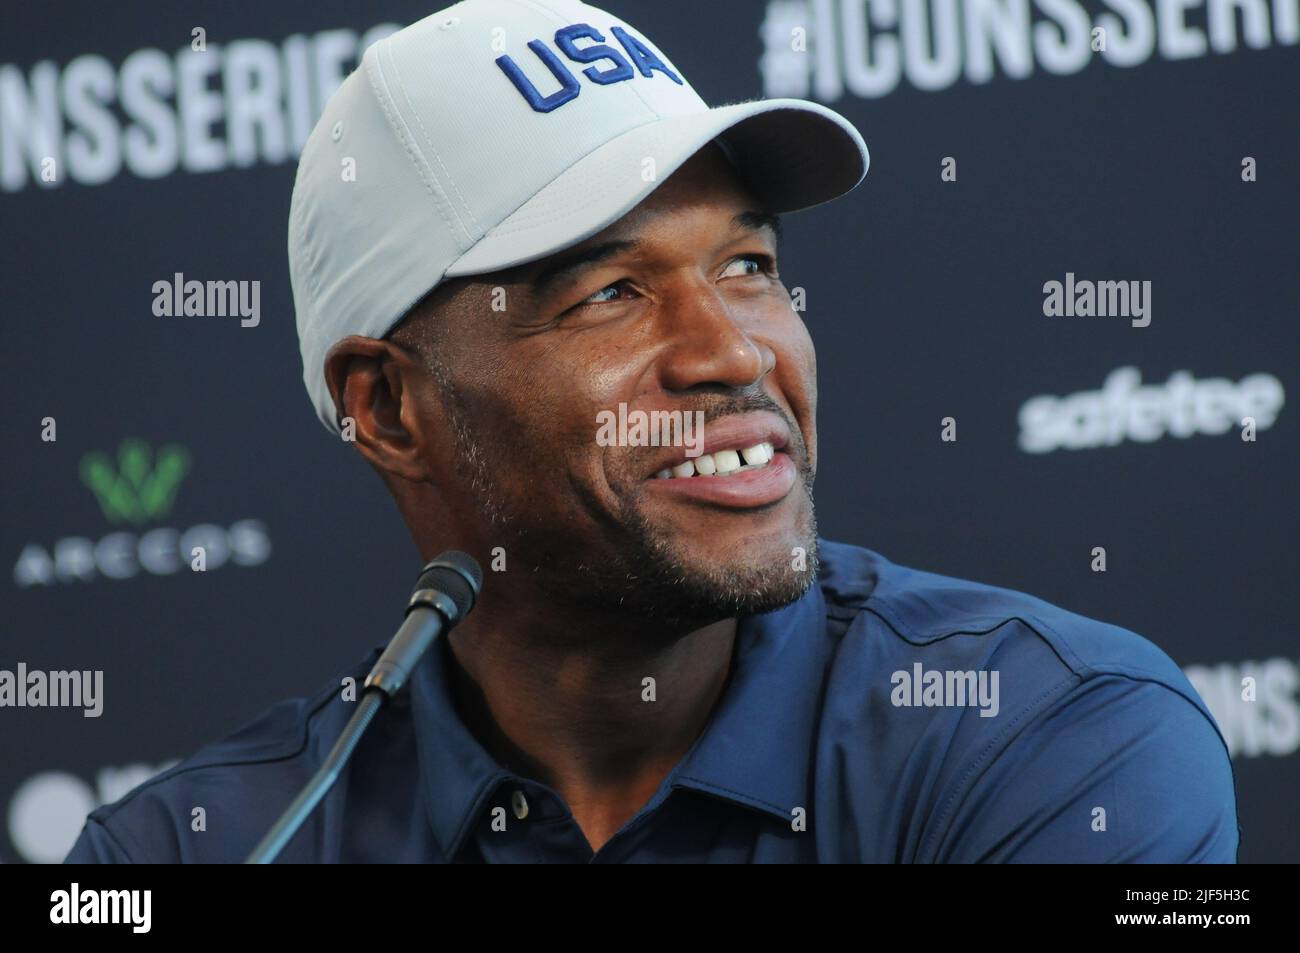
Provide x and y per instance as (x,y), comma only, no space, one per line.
(497,132)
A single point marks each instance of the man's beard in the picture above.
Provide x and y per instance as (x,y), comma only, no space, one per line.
(645,574)
(656,580)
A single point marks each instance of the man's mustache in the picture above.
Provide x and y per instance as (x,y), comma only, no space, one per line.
(717,407)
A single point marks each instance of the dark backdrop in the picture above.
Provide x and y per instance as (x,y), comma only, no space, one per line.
(925,298)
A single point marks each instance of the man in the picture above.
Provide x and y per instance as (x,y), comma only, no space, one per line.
(666,664)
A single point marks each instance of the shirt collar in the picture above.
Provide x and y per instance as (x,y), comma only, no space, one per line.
(755,751)
(457,775)
(757,748)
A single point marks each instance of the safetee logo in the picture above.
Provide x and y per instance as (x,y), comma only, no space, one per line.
(138,489)
(1125,409)
(142,487)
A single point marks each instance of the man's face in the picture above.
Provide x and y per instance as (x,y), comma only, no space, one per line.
(675,307)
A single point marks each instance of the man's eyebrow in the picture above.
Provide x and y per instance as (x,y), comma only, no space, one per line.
(755,221)
(566,264)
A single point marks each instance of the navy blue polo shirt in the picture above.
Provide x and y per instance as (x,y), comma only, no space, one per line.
(888,715)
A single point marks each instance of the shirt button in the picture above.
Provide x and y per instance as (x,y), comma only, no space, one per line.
(520,804)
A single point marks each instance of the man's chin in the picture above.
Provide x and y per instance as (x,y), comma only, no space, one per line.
(716,577)
(725,596)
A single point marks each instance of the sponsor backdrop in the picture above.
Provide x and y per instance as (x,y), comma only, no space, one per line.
(1057,331)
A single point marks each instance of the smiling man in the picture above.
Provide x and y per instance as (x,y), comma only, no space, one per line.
(515,219)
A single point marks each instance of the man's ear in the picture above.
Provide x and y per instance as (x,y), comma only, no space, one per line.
(370,382)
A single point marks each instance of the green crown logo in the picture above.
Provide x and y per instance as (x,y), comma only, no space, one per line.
(141,487)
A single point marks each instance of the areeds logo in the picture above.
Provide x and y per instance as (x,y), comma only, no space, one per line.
(138,488)
(132,907)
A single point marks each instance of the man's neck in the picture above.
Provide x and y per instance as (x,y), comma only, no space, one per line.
(601,721)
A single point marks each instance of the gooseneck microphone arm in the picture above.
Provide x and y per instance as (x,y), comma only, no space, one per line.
(444,594)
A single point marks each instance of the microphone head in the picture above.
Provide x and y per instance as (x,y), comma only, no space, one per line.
(455,574)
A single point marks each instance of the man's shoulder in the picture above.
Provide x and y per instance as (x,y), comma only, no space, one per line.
(927,614)
(1045,727)
(247,777)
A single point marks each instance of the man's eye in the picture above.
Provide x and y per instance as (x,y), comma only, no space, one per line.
(605,294)
(748,265)
(741,267)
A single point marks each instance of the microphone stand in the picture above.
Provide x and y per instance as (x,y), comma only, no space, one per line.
(447,589)
(270,846)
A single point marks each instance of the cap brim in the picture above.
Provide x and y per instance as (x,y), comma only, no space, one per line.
(792,154)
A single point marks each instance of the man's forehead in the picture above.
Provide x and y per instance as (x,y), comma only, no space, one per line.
(731,217)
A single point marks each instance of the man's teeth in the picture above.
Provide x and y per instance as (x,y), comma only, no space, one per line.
(721,463)
(728,461)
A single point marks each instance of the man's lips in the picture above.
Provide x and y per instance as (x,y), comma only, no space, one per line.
(743,489)
(739,432)
(751,486)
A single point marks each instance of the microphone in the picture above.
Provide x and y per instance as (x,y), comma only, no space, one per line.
(447,589)
(445,592)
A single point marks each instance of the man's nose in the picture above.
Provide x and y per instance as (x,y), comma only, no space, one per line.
(709,342)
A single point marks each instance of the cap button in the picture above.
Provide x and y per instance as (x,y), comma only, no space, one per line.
(337,132)
(450,22)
